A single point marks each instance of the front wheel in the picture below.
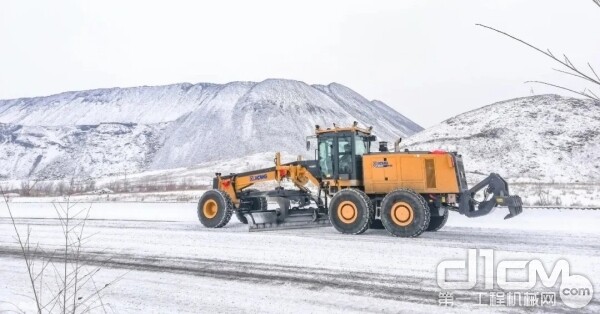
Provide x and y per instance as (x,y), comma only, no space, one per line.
(351,211)
(215,209)
(405,213)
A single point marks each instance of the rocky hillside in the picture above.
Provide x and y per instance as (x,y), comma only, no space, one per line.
(113,131)
(545,138)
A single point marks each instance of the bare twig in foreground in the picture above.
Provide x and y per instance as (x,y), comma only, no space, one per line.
(571,69)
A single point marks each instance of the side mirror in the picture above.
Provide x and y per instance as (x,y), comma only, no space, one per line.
(307,145)
(372,138)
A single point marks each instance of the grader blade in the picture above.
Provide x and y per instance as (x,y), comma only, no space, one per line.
(323,222)
(269,220)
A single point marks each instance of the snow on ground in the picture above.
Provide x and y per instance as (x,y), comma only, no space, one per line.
(574,194)
(170,196)
(173,264)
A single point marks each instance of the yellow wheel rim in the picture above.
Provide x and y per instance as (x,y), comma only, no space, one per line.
(402,214)
(347,212)
(210,209)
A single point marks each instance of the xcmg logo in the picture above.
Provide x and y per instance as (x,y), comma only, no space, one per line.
(381,164)
(258,177)
(575,291)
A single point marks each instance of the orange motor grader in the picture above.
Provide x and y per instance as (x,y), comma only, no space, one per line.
(354,189)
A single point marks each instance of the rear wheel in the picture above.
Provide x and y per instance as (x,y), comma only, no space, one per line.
(351,211)
(437,223)
(405,213)
(215,209)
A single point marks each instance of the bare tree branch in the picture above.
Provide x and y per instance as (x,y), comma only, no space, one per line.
(568,73)
(67,265)
(23,250)
(584,94)
(597,2)
(78,258)
(566,62)
(592,68)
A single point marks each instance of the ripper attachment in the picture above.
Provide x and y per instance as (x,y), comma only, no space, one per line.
(495,194)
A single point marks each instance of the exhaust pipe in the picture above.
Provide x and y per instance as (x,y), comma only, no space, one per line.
(397,144)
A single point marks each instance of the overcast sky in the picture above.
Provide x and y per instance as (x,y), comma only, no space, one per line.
(426,59)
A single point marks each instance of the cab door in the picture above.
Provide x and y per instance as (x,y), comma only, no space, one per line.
(338,156)
(344,161)
(326,157)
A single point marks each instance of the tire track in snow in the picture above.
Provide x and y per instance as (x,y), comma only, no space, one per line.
(397,288)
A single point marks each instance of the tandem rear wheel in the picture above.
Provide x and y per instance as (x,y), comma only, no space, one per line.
(405,213)
(438,222)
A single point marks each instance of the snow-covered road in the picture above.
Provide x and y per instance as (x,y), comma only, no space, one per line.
(173,264)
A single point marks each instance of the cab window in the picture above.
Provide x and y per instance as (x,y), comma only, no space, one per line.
(345,154)
(325,157)
(361,145)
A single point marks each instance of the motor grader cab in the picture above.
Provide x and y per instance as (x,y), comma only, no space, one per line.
(354,189)
(340,152)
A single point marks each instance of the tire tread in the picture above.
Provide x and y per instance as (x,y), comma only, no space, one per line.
(365,198)
(228,208)
(440,224)
(424,205)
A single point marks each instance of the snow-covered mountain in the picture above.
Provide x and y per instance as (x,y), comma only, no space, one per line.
(545,138)
(113,131)
(50,152)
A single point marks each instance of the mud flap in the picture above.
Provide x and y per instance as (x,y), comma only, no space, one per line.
(496,194)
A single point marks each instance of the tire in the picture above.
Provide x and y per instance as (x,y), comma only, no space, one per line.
(241,217)
(437,223)
(351,211)
(405,213)
(215,209)
(258,203)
